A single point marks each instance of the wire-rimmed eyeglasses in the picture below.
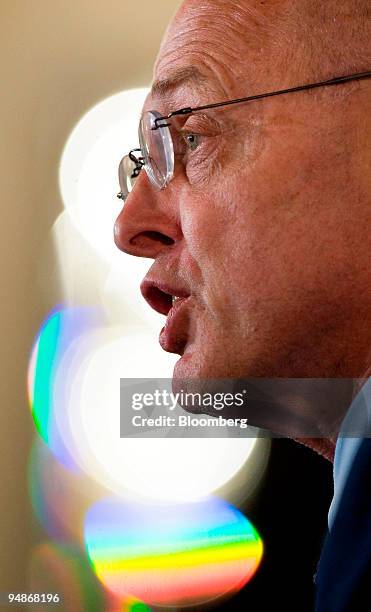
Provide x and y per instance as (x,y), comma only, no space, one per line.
(156,152)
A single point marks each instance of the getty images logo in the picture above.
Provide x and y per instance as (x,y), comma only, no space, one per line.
(164,398)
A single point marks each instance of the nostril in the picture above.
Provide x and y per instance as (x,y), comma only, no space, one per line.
(144,238)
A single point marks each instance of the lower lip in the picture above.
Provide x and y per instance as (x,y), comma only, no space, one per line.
(174,335)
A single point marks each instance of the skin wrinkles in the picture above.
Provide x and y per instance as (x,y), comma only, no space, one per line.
(190,74)
(272,236)
(220,135)
(212,65)
(218,58)
(244,19)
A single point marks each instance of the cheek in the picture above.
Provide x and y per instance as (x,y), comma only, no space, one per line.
(221,241)
(250,255)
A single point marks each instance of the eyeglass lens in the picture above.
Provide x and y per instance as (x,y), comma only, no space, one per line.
(127,176)
(157,152)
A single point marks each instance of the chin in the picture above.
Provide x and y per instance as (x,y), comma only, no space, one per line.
(196,363)
(193,365)
(185,367)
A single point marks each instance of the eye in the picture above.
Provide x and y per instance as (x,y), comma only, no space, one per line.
(192,140)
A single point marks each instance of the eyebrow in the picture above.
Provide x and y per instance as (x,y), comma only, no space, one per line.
(189,74)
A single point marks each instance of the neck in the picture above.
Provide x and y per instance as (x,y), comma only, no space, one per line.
(322,446)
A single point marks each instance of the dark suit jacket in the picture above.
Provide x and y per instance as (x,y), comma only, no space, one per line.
(343,579)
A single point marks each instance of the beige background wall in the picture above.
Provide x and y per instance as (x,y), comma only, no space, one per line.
(57,59)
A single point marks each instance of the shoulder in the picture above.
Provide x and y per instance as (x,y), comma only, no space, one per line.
(344,572)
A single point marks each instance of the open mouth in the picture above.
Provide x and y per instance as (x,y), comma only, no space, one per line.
(162,297)
(170,301)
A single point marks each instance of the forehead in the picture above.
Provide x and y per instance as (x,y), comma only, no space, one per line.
(212,45)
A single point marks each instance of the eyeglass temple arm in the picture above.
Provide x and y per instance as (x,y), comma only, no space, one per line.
(189,110)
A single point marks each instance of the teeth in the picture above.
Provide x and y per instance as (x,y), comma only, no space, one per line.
(174,299)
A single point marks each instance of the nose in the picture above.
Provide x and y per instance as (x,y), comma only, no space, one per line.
(146,225)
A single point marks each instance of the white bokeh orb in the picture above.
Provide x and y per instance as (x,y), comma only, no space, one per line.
(168,469)
(88,175)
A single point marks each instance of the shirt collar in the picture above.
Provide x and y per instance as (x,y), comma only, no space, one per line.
(356,425)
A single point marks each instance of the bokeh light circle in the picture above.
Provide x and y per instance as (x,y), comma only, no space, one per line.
(74,385)
(172,555)
(155,468)
(88,174)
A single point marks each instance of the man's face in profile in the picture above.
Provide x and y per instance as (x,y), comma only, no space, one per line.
(264,230)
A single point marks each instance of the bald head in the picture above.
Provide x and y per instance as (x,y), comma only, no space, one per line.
(285,41)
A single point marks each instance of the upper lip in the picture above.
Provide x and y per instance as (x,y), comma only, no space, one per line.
(159,294)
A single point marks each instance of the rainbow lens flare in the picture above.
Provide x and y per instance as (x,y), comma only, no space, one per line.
(55,338)
(132,605)
(172,555)
(41,370)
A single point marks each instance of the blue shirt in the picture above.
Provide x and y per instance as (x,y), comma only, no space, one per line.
(358,422)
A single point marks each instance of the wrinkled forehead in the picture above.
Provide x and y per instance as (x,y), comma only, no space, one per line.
(210,48)
(221,29)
